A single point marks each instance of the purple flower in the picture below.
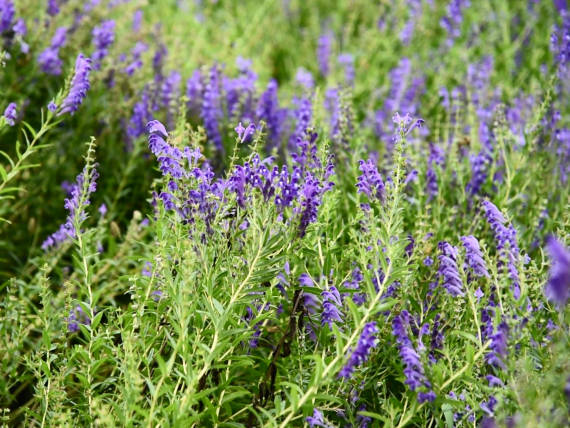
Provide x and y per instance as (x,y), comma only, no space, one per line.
(332,104)
(331,304)
(366,342)
(370,181)
(140,116)
(414,370)
(103,37)
(452,21)
(317,420)
(473,255)
(506,242)
(10,114)
(244,134)
(20,27)
(211,108)
(448,271)
(311,195)
(498,351)
(494,381)
(436,157)
(489,406)
(78,199)
(557,288)
(347,61)
(304,78)
(102,210)
(354,284)
(7,12)
(269,111)
(77,317)
(324,53)
(137,20)
(79,86)
(49,60)
(302,115)
(194,90)
(479,165)
(53,7)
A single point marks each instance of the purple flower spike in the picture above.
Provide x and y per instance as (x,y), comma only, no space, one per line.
(370,182)
(498,350)
(331,303)
(448,272)
(366,342)
(53,7)
(103,37)
(72,204)
(10,114)
(557,288)
(473,255)
(317,420)
(7,12)
(77,317)
(506,242)
(414,370)
(79,86)
(324,53)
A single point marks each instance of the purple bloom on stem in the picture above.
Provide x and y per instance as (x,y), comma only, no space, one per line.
(7,12)
(137,20)
(332,104)
(317,420)
(506,242)
(20,27)
(494,381)
(347,61)
(77,199)
(269,111)
(211,108)
(194,90)
(79,86)
(473,255)
(103,37)
(324,53)
(489,406)
(302,115)
(331,303)
(49,60)
(448,271)
(370,181)
(53,7)
(304,78)
(498,351)
(10,114)
(557,288)
(360,354)
(414,370)
(77,317)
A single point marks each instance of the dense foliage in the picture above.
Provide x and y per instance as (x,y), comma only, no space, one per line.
(284,213)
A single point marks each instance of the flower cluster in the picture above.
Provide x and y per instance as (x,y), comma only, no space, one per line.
(370,181)
(448,272)
(79,86)
(103,37)
(506,242)
(360,354)
(331,304)
(48,59)
(473,256)
(414,369)
(75,204)
(558,286)
(10,114)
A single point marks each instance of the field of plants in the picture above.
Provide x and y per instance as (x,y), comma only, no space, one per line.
(276,213)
